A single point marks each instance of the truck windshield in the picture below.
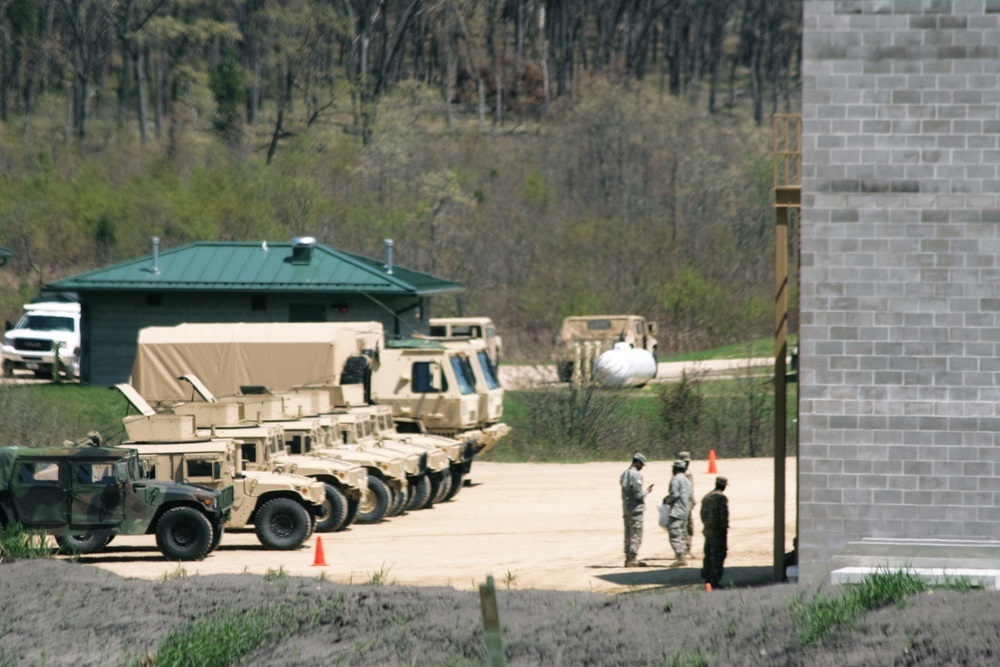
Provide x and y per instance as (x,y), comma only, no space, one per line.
(46,323)
(464,375)
(484,362)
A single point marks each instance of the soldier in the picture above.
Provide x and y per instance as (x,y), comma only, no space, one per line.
(686,457)
(715,518)
(679,501)
(633,508)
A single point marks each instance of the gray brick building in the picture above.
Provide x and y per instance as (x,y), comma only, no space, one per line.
(301,281)
(900,300)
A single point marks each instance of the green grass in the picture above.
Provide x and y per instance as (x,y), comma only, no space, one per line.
(220,639)
(47,414)
(18,543)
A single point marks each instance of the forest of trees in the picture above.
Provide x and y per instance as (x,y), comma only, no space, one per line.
(554,156)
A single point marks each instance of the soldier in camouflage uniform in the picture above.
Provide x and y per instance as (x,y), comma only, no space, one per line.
(715,518)
(686,458)
(679,501)
(633,507)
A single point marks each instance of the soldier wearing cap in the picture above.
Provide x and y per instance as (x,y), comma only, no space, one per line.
(679,500)
(633,507)
(686,457)
(715,518)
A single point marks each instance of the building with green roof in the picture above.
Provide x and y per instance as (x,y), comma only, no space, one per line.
(216,281)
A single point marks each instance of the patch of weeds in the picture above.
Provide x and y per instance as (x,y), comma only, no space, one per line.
(509,579)
(222,638)
(179,573)
(379,578)
(20,543)
(275,575)
(687,659)
(878,589)
(730,623)
(961,584)
(323,577)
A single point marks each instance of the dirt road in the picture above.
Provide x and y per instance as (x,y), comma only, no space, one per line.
(539,526)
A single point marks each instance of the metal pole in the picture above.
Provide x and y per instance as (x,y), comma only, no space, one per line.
(780,396)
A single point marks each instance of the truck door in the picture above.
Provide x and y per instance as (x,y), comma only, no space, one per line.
(96,494)
(40,495)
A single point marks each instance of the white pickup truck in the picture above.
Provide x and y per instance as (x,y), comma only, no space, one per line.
(47,328)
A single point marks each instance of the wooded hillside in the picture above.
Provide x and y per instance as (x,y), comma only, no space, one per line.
(556,157)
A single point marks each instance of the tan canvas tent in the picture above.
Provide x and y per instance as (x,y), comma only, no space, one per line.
(227,356)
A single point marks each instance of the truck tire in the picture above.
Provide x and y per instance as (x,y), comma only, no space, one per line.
(442,487)
(217,531)
(456,484)
(282,524)
(352,513)
(184,533)
(8,369)
(334,510)
(564,370)
(374,502)
(420,493)
(84,543)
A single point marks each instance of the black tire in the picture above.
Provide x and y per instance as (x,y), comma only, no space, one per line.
(84,543)
(282,524)
(564,369)
(456,484)
(352,512)
(396,502)
(374,502)
(334,512)
(354,370)
(420,493)
(184,533)
(8,369)
(217,531)
(443,487)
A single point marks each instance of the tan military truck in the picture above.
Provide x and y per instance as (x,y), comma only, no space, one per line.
(281,507)
(583,338)
(469,328)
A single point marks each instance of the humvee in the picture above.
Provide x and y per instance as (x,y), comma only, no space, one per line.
(281,507)
(84,496)
(583,338)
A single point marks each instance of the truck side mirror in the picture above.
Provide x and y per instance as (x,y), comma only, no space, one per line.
(8,325)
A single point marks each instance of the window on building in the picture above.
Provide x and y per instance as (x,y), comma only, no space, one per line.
(155,300)
(306,312)
(258,302)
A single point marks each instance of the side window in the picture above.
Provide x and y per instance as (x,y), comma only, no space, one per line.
(200,468)
(39,472)
(94,473)
(249,450)
(294,444)
(427,378)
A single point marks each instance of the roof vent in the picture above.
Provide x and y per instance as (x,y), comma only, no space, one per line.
(156,254)
(302,249)
(388,256)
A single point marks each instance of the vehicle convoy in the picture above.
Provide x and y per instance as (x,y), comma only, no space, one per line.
(84,496)
(45,341)
(263,448)
(282,507)
(419,379)
(583,338)
(469,328)
(387,487)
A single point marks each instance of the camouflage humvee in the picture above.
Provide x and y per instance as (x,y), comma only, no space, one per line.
(281,507)
(84,496)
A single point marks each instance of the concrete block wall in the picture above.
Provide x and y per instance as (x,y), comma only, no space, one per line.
(900,300)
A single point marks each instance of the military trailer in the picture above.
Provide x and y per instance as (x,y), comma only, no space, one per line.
(84,496)
(263,448)
(281,507)
(583,338)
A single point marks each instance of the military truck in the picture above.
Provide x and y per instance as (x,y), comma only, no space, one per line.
(282,507)
(84,496)
(263,448)
(583,338)
(469,328)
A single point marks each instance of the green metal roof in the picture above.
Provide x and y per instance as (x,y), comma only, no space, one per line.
(254,267)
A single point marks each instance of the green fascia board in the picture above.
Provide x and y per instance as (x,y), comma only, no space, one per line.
(253,267)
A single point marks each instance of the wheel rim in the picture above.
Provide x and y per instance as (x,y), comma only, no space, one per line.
(282,525)
(184,534)
(368,502)
(325,510)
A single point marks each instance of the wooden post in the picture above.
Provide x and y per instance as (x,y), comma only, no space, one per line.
(780,396)
(491,623)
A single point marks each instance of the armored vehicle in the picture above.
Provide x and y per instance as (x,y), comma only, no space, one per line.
(281,507)
(84,496)
(263,448)
(469,328)
(582,339)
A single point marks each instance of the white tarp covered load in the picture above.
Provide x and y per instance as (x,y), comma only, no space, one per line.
(229,355)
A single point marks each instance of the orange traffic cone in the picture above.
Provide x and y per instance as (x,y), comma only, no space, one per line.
(708,588)
(320,560)
(711,463)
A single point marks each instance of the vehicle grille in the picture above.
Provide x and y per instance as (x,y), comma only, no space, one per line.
(227,495)
(32,344)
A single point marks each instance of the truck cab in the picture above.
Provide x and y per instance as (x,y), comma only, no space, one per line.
(45,341)
(469,328)
(583,338)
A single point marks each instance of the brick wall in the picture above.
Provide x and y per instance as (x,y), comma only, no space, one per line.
(900,279)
